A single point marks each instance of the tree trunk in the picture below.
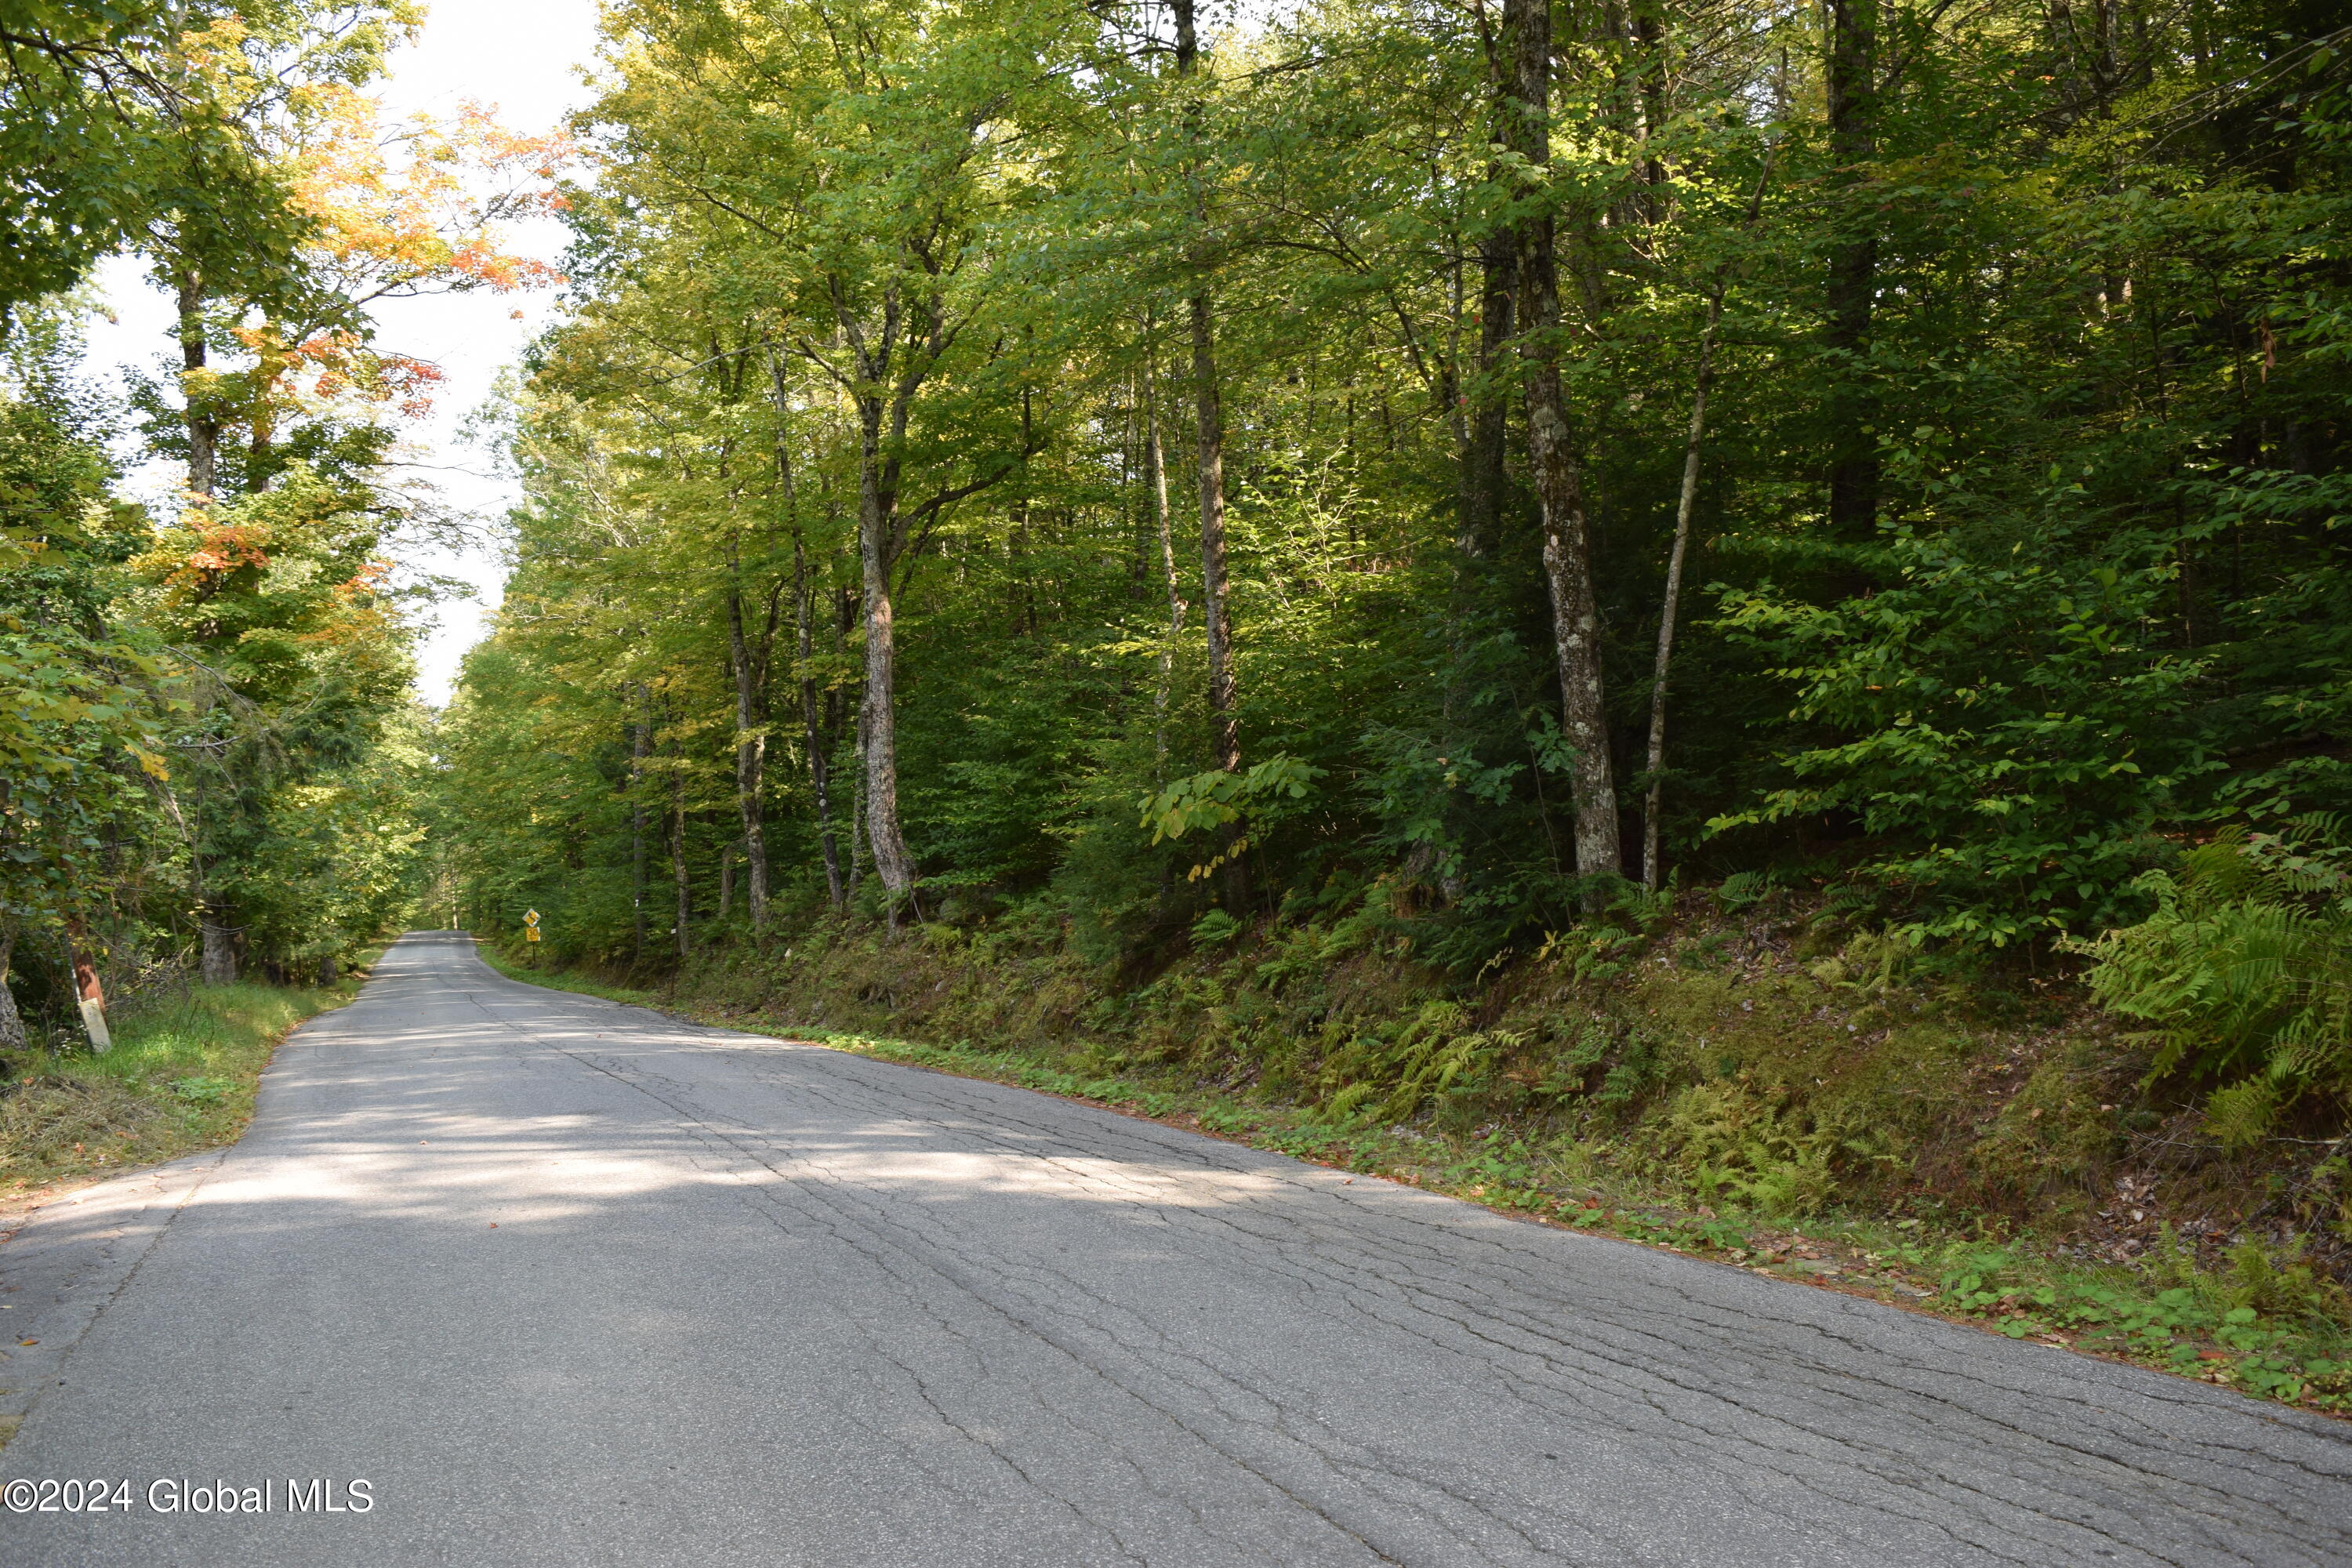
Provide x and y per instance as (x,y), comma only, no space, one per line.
(750,757)
(214,922)
(1852,84)
(726,883)
(1649,66)
(11,1023)
(1702,380)
(1484,480)
(850,614)
(876,526)
(677,867)
(1559,480)
(204,426)
(1224,720)
(1155,474)
(857,805)
(218,962)
(88,993)
(813,730)
(1683,507)
(639,741)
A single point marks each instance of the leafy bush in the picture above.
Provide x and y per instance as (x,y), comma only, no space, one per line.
(2018,723)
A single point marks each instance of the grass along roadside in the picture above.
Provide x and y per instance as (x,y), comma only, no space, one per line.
(181,1078)
(2255,1325)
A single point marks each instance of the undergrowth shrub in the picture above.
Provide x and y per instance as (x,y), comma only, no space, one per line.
(1734,1144)
(2244,970)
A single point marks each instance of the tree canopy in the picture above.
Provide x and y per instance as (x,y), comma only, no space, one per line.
(208,745)
(1889,446)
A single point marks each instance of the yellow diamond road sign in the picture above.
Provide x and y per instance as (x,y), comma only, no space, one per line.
(530,925)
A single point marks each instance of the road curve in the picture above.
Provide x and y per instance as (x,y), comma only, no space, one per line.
(566,1282)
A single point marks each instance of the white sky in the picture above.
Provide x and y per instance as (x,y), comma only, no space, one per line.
(521,56)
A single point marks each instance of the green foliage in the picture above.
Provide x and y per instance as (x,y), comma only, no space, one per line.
(203,717)
(2097,597)
(2244,969)
(1735,1145)
(1217,799)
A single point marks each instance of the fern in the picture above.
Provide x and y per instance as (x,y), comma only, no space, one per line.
(2245,968)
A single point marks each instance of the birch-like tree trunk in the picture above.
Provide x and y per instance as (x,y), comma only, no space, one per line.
(750,666)
(1653,797)
(1224,722)
(1559,480)
(1155,475)
(1224,718)
(11,1023)
(1702,380)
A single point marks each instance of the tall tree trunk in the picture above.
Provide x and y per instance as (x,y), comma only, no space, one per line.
(1025,589)
(849,616)
(203,425)
(88,994)
(1484,482)
(11,1023)
(1559,480)
(215,920)
(1155,475)
(1702,380)
(814,730)
(751,756)
(857,805)
(1853,90)
(877,536)
(640,740)
(1683,507)
(1224,720)
(1649,36)
(680,874)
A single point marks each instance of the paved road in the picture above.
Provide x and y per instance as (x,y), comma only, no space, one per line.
(571,1283)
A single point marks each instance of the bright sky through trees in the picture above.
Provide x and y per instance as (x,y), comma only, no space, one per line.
(523,57)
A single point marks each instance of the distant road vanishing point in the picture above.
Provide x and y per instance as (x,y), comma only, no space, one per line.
(504,1275)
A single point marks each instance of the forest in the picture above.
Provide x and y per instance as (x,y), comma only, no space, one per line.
(1760,580)
(212,763)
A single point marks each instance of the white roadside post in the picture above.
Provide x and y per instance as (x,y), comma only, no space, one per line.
(82,963)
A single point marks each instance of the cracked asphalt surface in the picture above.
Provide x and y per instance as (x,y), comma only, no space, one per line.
(574,1283)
